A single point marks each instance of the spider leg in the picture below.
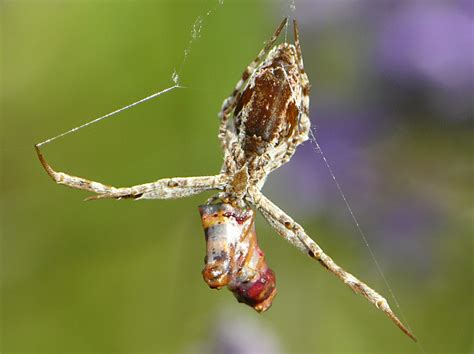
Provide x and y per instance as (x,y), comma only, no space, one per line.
(166,188)
(294,233)
(229,103)
(296,35)
(306,84)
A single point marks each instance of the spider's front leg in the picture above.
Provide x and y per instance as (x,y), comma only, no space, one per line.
(295,234)
(166,188)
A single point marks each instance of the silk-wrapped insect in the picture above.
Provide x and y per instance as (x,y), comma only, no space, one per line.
(234,258)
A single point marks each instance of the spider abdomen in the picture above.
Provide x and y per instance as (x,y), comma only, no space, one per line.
(267,113)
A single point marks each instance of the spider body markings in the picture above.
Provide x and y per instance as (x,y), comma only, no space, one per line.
(261,124)
(269,110)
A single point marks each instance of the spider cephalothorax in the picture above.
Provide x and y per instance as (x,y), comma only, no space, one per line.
(262,123)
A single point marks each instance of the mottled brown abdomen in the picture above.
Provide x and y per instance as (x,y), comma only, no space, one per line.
(267,112)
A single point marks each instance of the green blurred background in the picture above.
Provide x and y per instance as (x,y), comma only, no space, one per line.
(112,276)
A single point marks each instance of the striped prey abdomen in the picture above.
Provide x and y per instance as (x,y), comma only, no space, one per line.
(234,258)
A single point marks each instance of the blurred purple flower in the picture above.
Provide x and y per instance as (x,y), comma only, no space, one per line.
(428,41)
(400,219)
(306,184)
(424,48)
(406,230)
(238,333)
(421,71)
(325,13)
(467,6)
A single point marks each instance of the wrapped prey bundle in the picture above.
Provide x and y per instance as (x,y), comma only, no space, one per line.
(234,258)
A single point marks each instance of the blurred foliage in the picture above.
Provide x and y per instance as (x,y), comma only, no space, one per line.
(112,276)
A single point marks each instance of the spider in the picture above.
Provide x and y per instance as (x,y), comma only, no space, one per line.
(261,124)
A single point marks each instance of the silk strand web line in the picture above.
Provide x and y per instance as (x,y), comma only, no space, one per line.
(317,149)
(195,34)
